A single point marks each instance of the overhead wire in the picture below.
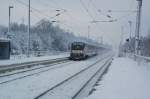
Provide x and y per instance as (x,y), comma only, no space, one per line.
(67,11)
(69,15)
(41,13)
(36,10)
(97,24)
(99,27)
(97,9)
(93,19)
(86,9)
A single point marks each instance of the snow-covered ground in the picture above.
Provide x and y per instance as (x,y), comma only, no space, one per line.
(32,59)
(125,79)
(71,87)
(31,86)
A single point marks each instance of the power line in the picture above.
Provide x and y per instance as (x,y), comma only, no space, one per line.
(93,6)
(86,9)
(36,10)
(67,12)
(99,27)
(122,11)
(123,17)
(97,10)
(63,10)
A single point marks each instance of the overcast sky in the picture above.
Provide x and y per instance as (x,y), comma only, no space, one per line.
(76,18)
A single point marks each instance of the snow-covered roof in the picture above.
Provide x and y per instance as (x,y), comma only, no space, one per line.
(4,40)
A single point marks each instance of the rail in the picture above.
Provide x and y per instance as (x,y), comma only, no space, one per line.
(17,66)
(73,76)
(98,74)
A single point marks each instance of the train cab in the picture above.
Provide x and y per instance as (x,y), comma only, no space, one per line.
(77,51)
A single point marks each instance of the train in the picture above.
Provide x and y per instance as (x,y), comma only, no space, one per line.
(81,50)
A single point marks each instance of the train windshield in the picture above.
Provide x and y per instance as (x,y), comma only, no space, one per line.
(77,46)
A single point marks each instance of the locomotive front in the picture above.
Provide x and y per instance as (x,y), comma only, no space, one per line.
(77,51)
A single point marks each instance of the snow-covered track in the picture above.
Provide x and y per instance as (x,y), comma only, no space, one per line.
(75,78)
(87,87)
(38,70)
(18,66)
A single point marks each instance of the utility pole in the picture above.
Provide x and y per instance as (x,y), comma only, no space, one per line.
(9,18)
(129,43)
(22,20)
(130,24)
(88,31)
(121,41)
(29,30)
(122,35)
(101,38)
(138,23)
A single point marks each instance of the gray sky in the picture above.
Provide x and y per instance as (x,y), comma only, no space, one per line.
(76,18)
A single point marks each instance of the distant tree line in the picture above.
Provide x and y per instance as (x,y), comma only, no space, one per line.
(44,37)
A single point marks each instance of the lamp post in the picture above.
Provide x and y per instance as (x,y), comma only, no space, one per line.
(138,23)
(130,24)
(10,7)
(28,53)
(88,32)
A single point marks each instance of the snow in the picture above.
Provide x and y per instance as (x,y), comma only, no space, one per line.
(30,87)
(70,88)
(126,79)
(4,39)
(32,59)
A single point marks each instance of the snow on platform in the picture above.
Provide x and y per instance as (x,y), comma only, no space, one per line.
(31,59)
(126,79)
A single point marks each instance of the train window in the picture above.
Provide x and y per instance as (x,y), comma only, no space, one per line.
(77,47)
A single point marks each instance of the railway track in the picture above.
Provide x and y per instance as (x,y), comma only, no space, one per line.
(19,66)
(87,87)
(50,79)
(38,66)
(37,70)
(62,85)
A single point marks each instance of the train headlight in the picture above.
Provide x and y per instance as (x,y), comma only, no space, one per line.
(77,51)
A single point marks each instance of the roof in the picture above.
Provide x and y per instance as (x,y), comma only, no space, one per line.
(4,40)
